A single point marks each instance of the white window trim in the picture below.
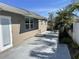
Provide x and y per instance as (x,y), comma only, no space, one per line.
(1,41)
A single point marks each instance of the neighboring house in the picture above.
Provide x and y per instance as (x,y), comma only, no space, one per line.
(16,25)
(51,21)
(50,25)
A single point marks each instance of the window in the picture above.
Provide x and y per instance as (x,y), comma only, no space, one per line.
(27,23)
(31,24)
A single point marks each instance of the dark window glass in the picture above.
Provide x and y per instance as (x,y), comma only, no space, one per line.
(31,24)
(27,20)
(27,26)
(36,24)
(31,20)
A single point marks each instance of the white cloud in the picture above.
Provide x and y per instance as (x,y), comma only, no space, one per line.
(46,10)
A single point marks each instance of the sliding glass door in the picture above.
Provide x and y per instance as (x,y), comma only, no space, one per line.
(6,33)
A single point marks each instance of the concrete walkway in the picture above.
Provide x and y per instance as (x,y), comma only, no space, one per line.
(26,51)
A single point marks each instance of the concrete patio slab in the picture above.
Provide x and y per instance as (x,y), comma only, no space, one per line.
(24,51)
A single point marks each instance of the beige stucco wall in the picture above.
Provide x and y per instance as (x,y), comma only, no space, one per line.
(18,25)
(42,25)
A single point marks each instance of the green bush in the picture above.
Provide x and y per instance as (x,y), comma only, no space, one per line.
(77,56)
(74,45)
(67,40)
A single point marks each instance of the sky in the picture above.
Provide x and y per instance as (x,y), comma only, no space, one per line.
(42,7)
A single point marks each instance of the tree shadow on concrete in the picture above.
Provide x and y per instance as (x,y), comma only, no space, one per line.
(44,45)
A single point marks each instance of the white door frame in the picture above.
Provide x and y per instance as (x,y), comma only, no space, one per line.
(2,48)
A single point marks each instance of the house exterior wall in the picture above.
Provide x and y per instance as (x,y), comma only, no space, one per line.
(42,25)
(76,32)
(18,25)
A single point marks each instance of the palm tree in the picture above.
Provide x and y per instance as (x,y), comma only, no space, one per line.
(64,20)
(63,23)
(73,7)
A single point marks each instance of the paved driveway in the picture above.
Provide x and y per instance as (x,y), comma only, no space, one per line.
(27,51)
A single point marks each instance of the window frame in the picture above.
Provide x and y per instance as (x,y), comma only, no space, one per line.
(31,24)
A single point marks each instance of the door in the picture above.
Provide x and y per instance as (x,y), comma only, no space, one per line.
(5,32)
